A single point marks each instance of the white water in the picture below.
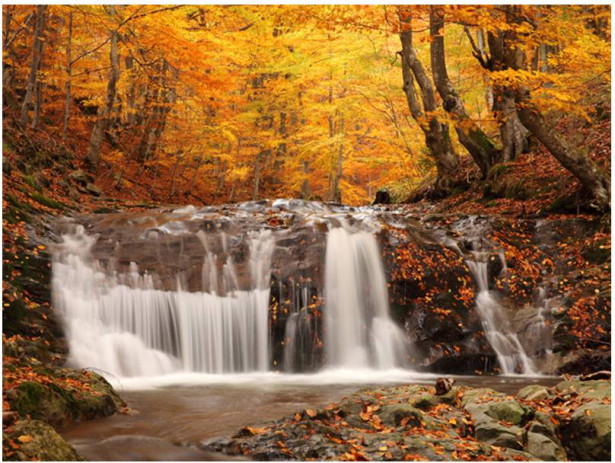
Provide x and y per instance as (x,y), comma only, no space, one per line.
(509,351)
(359,330)
(125,327)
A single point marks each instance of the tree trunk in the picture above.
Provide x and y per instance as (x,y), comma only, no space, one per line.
(37,55)
(594,181)
(512,132)
(257,176)
(306,192)
(437,137)
(93,155)
(478,144)
(69,72)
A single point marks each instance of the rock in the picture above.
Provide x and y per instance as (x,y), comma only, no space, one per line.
(425,401)
(382,197)
(604,374)
(588,434)
(80,176)
(393,415)
(596,390)
(96,191)
(498,420)
(543,448)
(493,433)
(37,440)
(9,418)
(443,385)
(73,194)
(533,392)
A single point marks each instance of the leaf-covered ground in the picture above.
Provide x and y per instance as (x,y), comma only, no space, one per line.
(568,421)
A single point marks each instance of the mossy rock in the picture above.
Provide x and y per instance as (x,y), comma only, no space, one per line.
(45,201)
(588,434)
(533,392)
(60,404)
(39,402)
(38,441)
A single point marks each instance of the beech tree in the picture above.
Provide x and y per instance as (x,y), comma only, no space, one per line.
(482,149)
(507,53)
(32,87)
(104,113)
(437,137)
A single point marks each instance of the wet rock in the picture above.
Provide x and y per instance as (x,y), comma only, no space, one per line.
(543,447)
(533,392)
(443,385)
(58,403)
(588,433)
(382,197)
(604,374)
(394,415)
(38,441)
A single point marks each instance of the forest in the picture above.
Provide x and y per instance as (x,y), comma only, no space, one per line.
(306,232)
(221,104)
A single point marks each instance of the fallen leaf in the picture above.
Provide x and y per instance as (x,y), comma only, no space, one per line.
(24,439)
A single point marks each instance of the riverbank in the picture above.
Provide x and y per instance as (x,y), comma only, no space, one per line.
(570,421)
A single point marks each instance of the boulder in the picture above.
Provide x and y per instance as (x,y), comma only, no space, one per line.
(393,415)
(80,176)
(533,392)
(543,448)
(588,434)
(38,441)
(96,191)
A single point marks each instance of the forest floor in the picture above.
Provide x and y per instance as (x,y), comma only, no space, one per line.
(570,421)
(43,181)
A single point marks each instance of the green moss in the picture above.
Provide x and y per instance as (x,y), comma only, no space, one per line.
(45,201)
(30,180)
(29,396)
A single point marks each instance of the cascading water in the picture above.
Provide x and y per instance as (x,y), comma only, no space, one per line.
(169,293)
(359,330)
(505,342)
(265,286)
(124,326)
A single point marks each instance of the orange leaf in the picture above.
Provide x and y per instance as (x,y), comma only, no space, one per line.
(24,439)
(311,413)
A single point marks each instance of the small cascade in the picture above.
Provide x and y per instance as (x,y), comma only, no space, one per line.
(125,326)
(511,355)
(359,330)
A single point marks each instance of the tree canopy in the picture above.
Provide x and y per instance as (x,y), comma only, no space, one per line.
(226,103)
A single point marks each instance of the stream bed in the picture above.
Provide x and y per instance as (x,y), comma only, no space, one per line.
(168,423)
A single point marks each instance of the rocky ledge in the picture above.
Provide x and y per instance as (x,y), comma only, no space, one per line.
(570,421)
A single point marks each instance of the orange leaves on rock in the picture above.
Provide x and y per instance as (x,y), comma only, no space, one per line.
(25,438)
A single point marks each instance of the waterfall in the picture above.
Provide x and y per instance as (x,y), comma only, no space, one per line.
(359,330)
(127,327)
(509,351)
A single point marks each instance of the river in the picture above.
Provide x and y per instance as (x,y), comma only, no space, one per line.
(168,422)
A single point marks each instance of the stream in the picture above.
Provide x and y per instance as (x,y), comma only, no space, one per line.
(168,423)
(207,320)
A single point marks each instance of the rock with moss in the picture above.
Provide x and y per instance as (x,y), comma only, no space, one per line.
(36,440)
(63,395)
(588,433)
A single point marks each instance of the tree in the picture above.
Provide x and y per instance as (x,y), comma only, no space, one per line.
(508,55)
(437,137)
(38,45)
(104,113)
